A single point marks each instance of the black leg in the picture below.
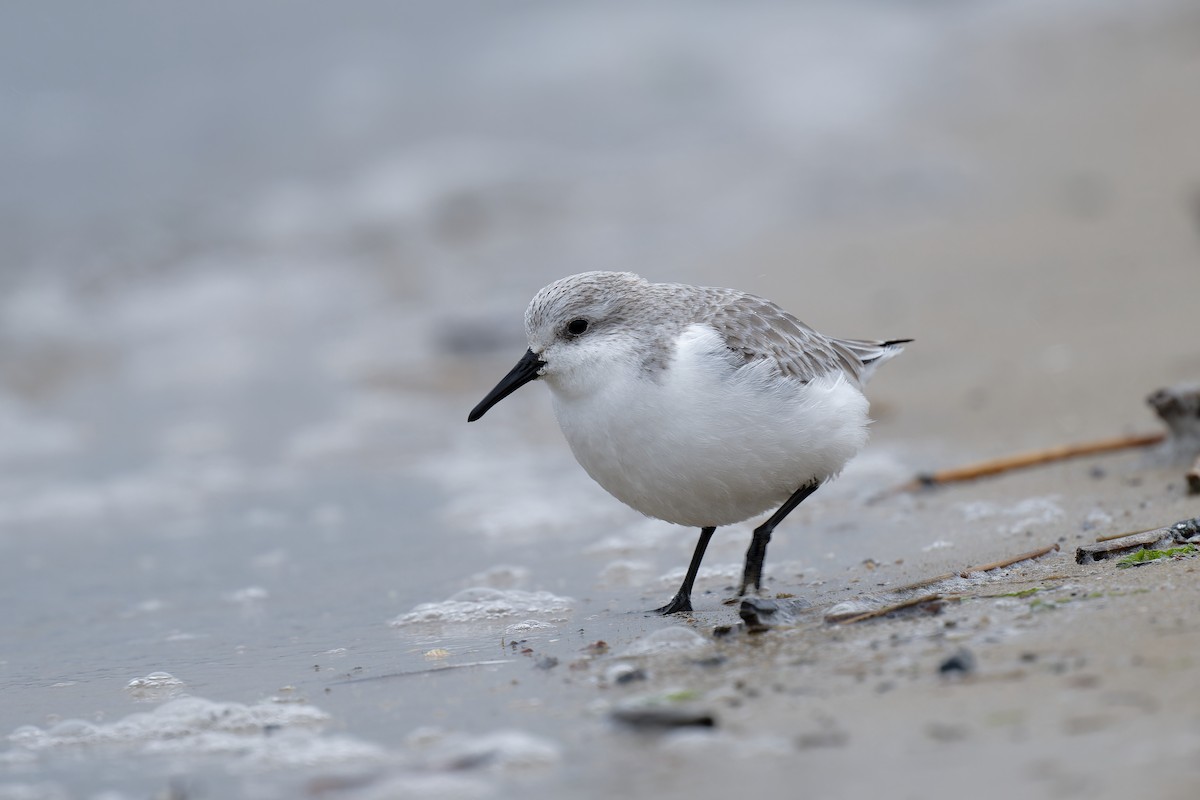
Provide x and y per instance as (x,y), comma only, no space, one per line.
(752,574)
(682,601)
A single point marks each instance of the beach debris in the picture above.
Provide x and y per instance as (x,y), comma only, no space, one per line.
(1177,406)
(928,602)
(623,672)
(1034,458)
(859,611)
(349,679)
(1004,562)
(962,662)
(1182,532)
(1008,562)
(663,718)
(1139,557)
(672,639)
(760,614)
(664,711)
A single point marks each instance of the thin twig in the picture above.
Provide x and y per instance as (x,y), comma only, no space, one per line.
(879,612)
(908,587)
(1020,461)
(427,671)
(1008,562)
(1111,536)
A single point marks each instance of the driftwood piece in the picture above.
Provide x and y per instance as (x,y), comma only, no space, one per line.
(1110,547)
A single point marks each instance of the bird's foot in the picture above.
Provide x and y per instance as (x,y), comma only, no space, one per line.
(680,603)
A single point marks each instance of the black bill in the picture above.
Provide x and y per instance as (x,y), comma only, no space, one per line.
(525,371)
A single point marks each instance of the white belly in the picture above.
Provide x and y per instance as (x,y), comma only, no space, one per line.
(709,445)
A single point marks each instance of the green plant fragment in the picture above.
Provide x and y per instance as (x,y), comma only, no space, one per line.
(1146,556)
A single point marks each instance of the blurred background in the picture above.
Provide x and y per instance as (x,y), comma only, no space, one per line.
(259,259)
(222,193)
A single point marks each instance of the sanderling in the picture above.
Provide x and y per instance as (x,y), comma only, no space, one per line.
(695,405)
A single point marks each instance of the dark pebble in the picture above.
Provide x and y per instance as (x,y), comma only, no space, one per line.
(631,676)
(961,662)
(664,718)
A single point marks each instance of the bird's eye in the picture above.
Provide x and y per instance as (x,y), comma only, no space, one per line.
(577,326)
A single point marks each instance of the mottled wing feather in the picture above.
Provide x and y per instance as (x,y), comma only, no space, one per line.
(868,351)
(756,329)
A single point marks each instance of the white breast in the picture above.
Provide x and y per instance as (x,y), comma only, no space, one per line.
(707,443)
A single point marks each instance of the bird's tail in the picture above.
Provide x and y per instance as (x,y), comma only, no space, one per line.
(873,353)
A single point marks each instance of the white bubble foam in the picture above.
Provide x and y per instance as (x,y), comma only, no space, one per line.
(483,604)
(155,680)
(675,639)
(528,626)
(156,686)
(259,737)
(286,749)
(182,720)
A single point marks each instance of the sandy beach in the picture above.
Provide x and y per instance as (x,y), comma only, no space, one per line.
(251,547)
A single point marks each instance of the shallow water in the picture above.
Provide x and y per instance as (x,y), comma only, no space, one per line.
(256,275)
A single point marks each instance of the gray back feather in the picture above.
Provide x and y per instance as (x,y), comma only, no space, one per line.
(756,329)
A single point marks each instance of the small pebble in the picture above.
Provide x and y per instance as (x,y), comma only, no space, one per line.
(961,662)
(655,717)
